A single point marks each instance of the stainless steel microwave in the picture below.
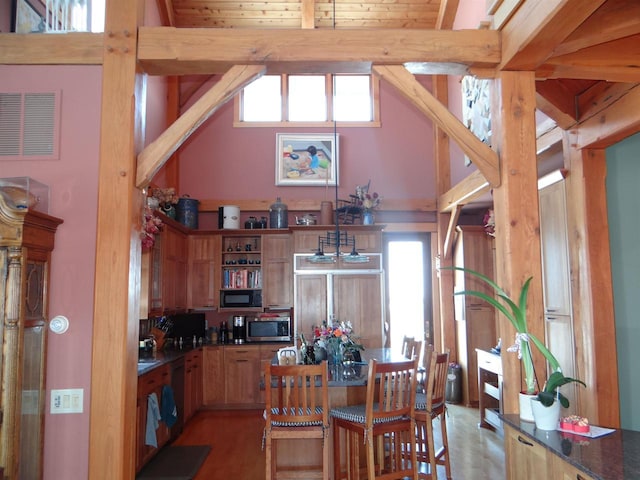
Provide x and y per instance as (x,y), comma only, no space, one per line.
(240,298)
(269,328)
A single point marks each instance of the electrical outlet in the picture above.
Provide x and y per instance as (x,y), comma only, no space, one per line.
(67,400)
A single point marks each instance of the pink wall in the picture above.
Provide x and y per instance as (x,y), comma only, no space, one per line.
(73,182)
(222,162)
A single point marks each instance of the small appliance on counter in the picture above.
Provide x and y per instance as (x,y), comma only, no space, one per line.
(239,329)
(269,327)
(187,326)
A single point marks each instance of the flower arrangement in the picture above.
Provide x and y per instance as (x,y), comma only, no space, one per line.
(337,337)
(151,226)
(368,201)
(166,196)
(489,223)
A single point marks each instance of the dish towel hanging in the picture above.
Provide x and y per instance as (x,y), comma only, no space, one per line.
(169,411)
(153,420)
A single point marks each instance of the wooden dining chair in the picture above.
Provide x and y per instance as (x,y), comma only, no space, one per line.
(297,407)
(384,425)
(431,406)
(406,346)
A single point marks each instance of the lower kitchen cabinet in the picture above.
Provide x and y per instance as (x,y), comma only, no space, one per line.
(213,387)
(526,459)
(242,375)
(233,374)
(149,383)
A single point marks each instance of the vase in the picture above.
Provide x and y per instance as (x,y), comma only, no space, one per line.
(169,210)
(368,218)
(546,418)
(334,354)
(526,414)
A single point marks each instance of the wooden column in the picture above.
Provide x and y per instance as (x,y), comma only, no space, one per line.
(117,281)
(591,284)
(444,324)
(517,216)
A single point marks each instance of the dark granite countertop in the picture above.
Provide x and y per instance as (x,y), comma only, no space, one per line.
(615,456)
(148,362)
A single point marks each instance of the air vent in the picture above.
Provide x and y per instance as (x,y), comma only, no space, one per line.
(29,126)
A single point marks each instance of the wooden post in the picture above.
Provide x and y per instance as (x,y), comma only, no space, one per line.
(118,251)
(517,217)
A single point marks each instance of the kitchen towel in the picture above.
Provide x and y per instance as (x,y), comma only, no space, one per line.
(169,412)
(153,420)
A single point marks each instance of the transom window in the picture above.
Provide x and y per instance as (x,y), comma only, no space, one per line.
(309,100)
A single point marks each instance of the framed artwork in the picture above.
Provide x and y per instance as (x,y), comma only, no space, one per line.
(27,18)
(306,159)
(476,108)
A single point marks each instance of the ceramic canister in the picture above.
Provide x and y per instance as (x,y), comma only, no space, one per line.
(231,217)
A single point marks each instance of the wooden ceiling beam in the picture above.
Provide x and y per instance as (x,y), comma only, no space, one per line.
(613,20)
(59,49)
(173,51)
(556,102)
(615,61)
(485,159)
(465,191)
(537,27)
(153,157)
(599,97)
(447,14)
(166,12)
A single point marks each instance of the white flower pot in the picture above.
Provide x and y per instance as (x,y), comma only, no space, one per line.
(546,418)
(526,414)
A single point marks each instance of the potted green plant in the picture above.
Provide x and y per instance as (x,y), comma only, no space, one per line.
(516,313)
(546,404)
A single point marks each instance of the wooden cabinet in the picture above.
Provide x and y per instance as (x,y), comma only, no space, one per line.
(26,242)
(232,374)
(149,383)
(277,271)
(475,319)
(203,254)
(242,375)
(555,249)
(565,471)
(490,389)
(341,293)
(174,270)
(193,382)
(213,376)
(167,268)
(368,238)
(556,282)
(526,459)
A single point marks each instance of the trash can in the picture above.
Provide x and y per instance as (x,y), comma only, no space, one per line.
(453,391)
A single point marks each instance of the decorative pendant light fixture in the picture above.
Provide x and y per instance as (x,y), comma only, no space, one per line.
(336,238)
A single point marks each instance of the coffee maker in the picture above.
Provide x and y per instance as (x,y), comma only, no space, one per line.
(239,329)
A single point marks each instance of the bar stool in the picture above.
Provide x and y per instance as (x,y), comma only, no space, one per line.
(297,407)
(430,406)
(385,422)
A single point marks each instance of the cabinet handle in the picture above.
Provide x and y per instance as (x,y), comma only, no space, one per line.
(241,361)
(525,442)
(551,318)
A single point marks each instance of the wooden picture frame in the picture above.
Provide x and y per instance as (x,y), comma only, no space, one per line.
(306,159)
(27,18)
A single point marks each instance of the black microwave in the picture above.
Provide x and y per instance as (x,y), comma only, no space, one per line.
(240,298)
(269,328)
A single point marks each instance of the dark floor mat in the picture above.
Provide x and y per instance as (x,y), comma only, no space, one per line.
(180,462)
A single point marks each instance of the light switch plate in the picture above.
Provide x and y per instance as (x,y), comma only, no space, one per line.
(67,400)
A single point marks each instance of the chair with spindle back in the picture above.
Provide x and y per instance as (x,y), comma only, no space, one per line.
(297,407)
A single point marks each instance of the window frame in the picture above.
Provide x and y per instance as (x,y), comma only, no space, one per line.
(284,86)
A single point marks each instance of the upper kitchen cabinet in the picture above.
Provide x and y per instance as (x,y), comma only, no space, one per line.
(368,238)
(202,284)
(277,271)
(165,267)
(26,242)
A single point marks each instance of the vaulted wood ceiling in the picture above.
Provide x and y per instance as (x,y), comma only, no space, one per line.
(588,56)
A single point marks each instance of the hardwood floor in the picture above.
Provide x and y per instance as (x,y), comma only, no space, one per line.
(236,441)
